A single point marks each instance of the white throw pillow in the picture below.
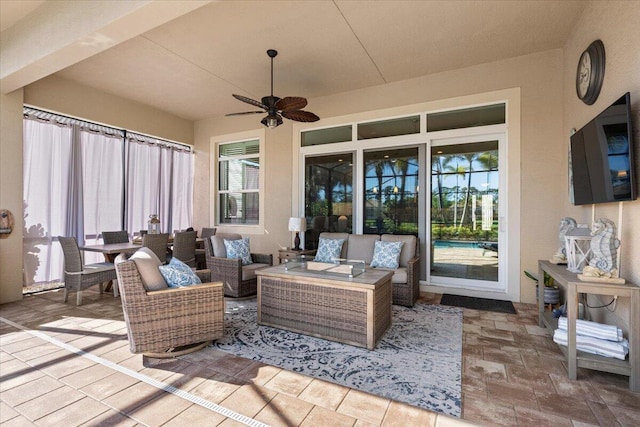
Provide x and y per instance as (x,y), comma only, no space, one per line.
(148,263)
(328,250)
(386,254)
(178,274)
(239,249)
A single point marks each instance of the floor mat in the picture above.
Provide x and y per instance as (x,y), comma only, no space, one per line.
(478,303)
(418,360)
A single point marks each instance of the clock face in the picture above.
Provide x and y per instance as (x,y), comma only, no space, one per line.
(584,74)
(590,72)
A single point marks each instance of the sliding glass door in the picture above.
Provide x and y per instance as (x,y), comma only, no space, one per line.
(465,212)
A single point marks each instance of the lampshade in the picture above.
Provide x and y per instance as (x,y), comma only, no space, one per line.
(297,224)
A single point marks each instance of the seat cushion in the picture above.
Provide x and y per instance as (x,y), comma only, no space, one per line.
(361,247)
(328,250)
(177,274)
(239,249)
(147,263)
(408,249)
(399,274)
(386,254)
(249,271)
(217,242)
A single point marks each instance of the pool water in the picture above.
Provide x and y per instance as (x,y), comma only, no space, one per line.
(455,244)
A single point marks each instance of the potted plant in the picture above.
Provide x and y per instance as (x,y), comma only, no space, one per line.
(551,291)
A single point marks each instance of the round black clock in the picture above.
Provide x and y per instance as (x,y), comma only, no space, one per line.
(590,72)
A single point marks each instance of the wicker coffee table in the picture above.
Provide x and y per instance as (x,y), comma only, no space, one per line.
(354,310)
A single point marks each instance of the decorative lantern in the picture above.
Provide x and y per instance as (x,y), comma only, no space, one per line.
(578,245)
(154,224)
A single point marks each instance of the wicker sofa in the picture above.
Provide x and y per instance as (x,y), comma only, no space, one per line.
(239,280)
(406,278)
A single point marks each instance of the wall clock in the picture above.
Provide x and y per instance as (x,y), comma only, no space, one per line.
(590,72)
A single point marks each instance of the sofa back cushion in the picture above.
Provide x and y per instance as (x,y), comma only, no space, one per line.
(345,245)
(217,242)
(361,247)
(408,249)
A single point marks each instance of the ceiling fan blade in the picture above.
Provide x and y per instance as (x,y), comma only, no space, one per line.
(250,101)
(300,116)
(246,112)
(264,121)
(289,103)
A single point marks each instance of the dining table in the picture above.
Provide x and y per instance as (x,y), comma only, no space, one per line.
(111,251)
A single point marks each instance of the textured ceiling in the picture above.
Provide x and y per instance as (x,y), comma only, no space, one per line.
(191,65)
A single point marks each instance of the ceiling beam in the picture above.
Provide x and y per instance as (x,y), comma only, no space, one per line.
(61,33)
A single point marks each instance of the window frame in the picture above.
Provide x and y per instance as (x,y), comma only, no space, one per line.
(215,159)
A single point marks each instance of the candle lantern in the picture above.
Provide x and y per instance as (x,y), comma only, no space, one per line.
(154,224)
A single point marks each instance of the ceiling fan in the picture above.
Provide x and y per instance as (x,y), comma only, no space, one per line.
(289,107)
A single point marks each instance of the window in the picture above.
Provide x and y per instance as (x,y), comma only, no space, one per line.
(239,182)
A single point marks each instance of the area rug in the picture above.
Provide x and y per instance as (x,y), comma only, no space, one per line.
(418,361)
(478,303)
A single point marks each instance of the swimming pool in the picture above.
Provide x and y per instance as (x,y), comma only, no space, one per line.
(455,244)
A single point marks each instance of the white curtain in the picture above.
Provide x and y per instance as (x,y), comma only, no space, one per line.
(160,181)
(47,160)
(182,190)
(81,179)
(102,186)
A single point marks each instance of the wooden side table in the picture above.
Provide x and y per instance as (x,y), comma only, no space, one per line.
(292,254)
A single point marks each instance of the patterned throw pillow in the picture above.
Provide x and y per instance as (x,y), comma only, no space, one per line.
(386,254)
(328,250)
(177,274)
(239,249)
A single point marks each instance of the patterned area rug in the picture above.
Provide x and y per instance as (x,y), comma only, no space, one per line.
(418,361)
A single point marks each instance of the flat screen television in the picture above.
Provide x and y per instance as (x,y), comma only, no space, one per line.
(601,157)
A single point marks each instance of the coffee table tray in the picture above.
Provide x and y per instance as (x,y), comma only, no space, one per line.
(340,267)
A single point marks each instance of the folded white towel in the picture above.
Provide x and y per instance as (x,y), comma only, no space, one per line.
(619,350)
(593,329)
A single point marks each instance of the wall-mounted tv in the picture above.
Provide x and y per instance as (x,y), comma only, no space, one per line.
(601,159)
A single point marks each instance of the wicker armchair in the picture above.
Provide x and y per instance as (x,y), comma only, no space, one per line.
(78,276)
(173,321)
(158,244)
(110,237)
(239,280)
(184,247)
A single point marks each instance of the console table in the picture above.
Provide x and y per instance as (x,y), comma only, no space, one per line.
(574,286)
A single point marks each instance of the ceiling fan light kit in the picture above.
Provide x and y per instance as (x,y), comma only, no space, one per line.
(289,107)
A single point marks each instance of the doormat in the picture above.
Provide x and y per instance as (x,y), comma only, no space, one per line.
(485,304)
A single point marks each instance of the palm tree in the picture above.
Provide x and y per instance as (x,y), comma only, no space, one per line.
(470,158)
(459,171)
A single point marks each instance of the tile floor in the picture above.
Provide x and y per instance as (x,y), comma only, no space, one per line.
(72,366)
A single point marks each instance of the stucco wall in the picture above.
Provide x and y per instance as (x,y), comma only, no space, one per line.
(11,194)
(619,31)
(64,96)
(539,76)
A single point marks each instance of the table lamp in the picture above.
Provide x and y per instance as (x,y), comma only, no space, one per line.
(297,225)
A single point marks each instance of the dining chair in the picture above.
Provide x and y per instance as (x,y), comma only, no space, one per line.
(207,232)
(110,237)
(77,275)
(158,244)
(184,247)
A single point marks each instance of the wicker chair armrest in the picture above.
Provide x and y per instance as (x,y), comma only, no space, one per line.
(262,258)
(204,275)
(413,269)
(224,269)
(195,289)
